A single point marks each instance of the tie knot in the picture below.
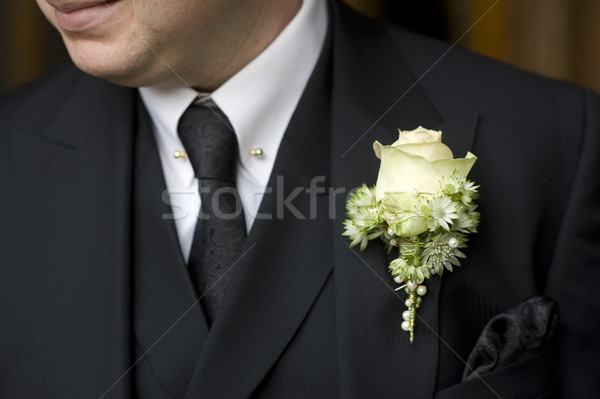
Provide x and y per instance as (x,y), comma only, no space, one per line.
(210,142)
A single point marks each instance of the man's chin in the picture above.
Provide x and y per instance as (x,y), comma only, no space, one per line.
(121,70)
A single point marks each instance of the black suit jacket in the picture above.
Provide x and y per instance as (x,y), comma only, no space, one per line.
(95,301)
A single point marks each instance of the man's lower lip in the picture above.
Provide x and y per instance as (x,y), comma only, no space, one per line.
(85,18)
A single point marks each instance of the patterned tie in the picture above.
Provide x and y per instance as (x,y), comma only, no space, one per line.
(211,146)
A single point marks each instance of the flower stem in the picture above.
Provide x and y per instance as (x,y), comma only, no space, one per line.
(413,313)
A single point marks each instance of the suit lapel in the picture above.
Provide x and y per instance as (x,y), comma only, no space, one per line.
(78,161)
(170,327)
(374,95)
(286,261)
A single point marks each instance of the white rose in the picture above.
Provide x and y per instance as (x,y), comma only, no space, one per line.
(414,166)
(419,135)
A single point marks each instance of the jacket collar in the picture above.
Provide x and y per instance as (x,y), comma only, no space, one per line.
(78,108)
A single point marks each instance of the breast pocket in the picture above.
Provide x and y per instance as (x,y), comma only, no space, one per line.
(528,379)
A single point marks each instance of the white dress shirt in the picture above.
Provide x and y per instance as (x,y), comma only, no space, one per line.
(259,101)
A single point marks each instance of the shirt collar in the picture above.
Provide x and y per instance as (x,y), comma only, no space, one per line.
(260,99)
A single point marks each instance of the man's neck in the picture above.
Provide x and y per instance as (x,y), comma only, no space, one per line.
(272,19)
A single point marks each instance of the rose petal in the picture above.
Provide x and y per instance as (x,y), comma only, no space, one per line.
(412,226)
(446,167)
(403,206)
(377,147)
(419,135)
(403,172)
(429,151)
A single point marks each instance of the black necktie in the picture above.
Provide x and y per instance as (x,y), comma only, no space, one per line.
(211,146)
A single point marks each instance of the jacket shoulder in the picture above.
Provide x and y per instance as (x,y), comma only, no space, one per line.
(35,105)
(40,97)
(47,88)
(447,68)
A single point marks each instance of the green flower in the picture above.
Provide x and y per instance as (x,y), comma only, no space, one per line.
(443,212)
(365,219)
(398,268)
(468,220)
(443,251)
(406,271)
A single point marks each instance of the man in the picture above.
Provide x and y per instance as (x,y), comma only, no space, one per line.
(98,295)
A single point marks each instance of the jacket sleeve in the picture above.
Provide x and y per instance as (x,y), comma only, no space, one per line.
(574,277)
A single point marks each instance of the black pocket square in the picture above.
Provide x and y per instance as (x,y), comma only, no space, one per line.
(515,335)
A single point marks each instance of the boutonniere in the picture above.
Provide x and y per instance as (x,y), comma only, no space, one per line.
(421,206)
